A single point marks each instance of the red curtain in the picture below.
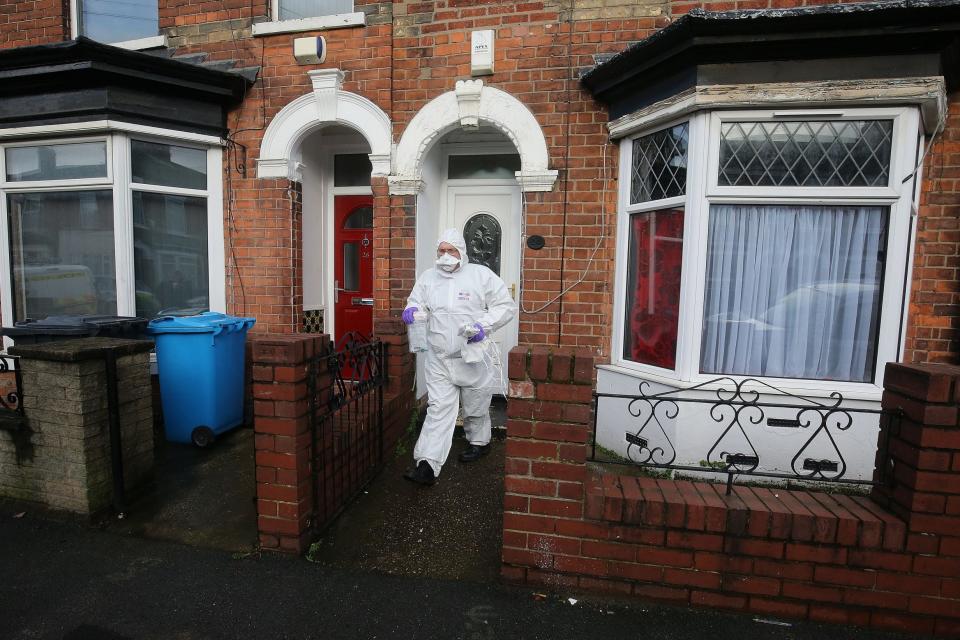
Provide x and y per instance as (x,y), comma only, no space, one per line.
(653,287)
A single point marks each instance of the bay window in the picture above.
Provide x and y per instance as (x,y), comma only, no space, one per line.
(115,225)
(766,244)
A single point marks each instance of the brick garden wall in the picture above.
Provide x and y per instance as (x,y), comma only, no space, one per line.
(890,561)
(289,506)
(60,455)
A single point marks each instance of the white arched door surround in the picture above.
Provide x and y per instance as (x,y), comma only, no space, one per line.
(467,106)
(280,152)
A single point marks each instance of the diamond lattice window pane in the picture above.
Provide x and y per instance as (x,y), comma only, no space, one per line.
(813,153)
(659,167)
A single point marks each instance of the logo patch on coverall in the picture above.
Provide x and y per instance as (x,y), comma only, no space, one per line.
(463,296)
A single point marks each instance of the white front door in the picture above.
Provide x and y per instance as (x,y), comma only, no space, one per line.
(489,217)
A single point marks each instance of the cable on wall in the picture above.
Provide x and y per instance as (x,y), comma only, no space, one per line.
(603,208)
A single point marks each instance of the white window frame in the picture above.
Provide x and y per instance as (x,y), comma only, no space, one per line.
(703,190)
(33,185)
(119,180)
(315,23)
(149,42)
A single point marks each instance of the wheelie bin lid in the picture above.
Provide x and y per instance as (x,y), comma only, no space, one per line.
(209,322)
(52,326)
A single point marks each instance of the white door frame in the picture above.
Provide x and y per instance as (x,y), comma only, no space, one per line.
(511,255)
(321,199)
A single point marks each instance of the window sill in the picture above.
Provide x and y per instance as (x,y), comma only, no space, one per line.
(864,392)
(319,23)
(153,42)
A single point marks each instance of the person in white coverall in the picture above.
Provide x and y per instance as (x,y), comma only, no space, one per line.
(466,303)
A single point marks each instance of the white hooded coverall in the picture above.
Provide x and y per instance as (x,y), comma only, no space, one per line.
(472,293)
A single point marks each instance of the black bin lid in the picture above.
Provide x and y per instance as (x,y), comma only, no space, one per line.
(72,325)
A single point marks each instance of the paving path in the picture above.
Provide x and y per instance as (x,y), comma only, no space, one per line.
(451,530)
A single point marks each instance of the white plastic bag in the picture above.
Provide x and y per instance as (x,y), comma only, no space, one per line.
(417,332)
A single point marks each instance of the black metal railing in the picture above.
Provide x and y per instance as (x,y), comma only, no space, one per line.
(345,389)
(736,425)
(11,403)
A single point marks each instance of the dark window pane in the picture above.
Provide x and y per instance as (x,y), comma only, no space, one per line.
(659,168)
(351,170)
(119,20)
(490,166)
(168,165)
(482,233)
(57,161)
(61,253)
(170,254)
(361,218)
(653,287)
(351,266)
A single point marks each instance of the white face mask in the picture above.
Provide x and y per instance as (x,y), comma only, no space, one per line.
(447,263)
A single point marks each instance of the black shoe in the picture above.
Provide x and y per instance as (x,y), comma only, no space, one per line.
(423,474)
(474,452)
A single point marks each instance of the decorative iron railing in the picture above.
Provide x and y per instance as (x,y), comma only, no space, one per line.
(357,365)
(737,431)
(10,387)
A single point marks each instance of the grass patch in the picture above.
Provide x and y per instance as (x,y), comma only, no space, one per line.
(404,440)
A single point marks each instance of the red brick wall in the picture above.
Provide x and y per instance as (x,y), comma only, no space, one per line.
(38,22)
(266,281)
(175,13)
(409,53)
(933,329)
(538,57)
(892,561)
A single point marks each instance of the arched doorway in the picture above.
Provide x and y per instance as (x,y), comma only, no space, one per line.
(476,192)
(469,155)
(332,142)
(337,234)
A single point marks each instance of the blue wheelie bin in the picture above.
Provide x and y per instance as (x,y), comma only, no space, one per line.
(200,363)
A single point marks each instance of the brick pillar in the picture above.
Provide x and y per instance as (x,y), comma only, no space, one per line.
(59,455)
(923,458)
(281,408)
(548,428)
(401,364)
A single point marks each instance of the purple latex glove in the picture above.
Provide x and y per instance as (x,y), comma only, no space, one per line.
(407,315)
(480,335)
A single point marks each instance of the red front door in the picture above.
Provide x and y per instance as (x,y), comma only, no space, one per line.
(353,268)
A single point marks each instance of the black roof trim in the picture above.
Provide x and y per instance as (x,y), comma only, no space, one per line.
(32,63)
(801,33)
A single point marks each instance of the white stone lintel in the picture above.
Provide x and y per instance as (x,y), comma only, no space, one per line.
(537,180)
(404,185)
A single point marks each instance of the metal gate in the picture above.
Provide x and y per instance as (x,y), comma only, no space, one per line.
(346,413)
